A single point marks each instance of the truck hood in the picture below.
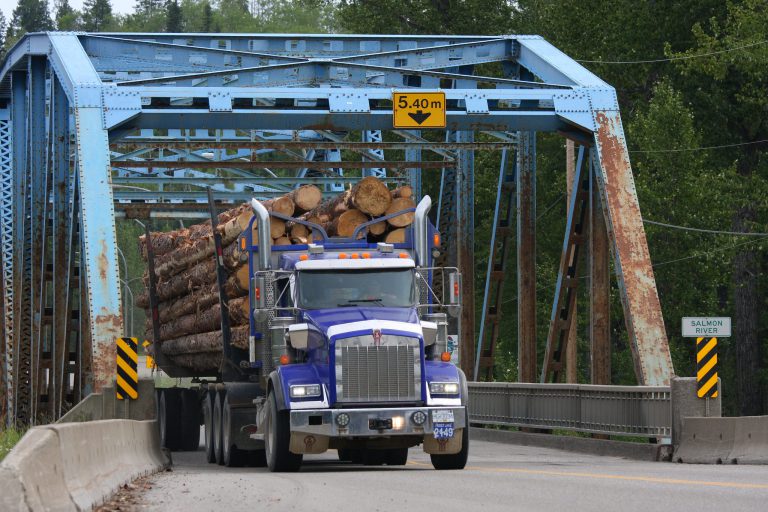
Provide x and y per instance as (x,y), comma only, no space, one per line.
(331,321)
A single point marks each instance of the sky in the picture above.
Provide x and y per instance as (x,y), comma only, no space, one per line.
(118,6)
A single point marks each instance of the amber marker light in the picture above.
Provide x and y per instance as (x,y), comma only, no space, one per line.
(284,359)
(436,239)
(343,256)
(304,257)
(366,255)
(445,357)
(355,256)
(403,254)
(242,243)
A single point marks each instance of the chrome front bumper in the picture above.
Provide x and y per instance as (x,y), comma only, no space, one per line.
(324,421)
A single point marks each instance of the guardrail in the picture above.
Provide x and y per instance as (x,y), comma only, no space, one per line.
(643,411)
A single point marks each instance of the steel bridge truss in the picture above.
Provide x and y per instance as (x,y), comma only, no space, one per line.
(97,126)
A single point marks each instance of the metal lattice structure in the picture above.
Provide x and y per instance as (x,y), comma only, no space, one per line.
(99,126)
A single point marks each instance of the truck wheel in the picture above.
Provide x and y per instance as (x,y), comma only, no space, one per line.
(168,418)
(190,420)
(277,439)
(217,428)
(373,457)
(232,456)
(457,460)
(210,455)
(396,456)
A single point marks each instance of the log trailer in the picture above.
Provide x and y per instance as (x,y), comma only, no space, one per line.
(348,350)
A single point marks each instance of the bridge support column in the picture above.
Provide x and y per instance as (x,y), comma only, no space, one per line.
(526,257)
(642,309)
(465,230)
(599,286)
(99,243)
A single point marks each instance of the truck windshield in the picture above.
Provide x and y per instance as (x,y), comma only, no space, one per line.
(319,289)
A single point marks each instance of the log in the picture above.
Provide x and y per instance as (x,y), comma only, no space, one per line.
(306,197)
(396,236)
(403,191)
(192,252)
(277,227)
(298,230)
(206,320)
(283,204)
(400,204)
(202,363)
(205,342)
(371,196)
(330,209)
(185,281)
(206,293)
(378,229)
(283,240)
(344,225)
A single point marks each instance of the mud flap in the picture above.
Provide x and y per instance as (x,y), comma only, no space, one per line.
(443,446)
(308,443)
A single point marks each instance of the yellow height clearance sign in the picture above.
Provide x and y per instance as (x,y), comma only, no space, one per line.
(418,110)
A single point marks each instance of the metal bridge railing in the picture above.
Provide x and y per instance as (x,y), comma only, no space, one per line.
(617,410)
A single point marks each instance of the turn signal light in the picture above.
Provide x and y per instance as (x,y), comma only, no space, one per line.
(242,243)
(284,359)
(257,292)
(455,289)
(304,257)
(436,239)
(445,357)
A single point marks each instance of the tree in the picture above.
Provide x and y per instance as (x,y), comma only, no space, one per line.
(97,15)
(3,30)
(727,80)
(29,16)
(173,19)
(66,16)
(207,17)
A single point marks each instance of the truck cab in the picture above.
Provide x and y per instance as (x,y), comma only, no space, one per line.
(351,339)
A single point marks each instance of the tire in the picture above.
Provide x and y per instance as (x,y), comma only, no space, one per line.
(232,456)
(374,457)
(396,456)
(457,460)
(257,458)
(217,428)
(277,439)
(345,454)
(169,419)
(190,420)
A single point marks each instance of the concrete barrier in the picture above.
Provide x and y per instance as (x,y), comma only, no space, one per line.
(750,444)
(706,441)
(106,406)
(76,466)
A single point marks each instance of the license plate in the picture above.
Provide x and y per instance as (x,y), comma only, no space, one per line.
(442,416)
(442,430)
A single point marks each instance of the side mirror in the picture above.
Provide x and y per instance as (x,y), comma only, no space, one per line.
(298,336)
(429,331)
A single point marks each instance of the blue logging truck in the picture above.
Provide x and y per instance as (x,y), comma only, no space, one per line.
(347,350)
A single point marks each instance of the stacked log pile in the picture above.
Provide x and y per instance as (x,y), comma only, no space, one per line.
(189,312)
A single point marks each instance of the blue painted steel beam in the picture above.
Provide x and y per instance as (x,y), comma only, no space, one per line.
(6,245)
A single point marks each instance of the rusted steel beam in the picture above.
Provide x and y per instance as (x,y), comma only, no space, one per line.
(133,144)
(166,164)
(642,310)
(561,321)
(466,251)
(599,289)
(571,351)
(526,257)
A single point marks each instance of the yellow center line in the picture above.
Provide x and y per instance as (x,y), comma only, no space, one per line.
(604,476)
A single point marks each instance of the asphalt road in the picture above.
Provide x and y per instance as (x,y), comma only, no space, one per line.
(498,477)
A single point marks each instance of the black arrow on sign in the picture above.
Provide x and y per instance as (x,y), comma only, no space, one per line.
(419,116)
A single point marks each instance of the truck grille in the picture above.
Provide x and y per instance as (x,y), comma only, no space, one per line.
(389,372)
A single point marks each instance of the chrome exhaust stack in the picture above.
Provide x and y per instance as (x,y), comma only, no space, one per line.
(265,241)
(421,231)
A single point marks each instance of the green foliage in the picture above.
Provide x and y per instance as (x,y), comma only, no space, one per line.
(97,15)
(8,439)
(173,17)
(28,16)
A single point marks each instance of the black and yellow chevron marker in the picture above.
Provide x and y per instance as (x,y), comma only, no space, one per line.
(127,368)
(706,367)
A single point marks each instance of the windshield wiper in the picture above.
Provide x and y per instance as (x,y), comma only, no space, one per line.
(354,301)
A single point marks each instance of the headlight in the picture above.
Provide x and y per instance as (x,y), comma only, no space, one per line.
(305,391)
(444,388)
